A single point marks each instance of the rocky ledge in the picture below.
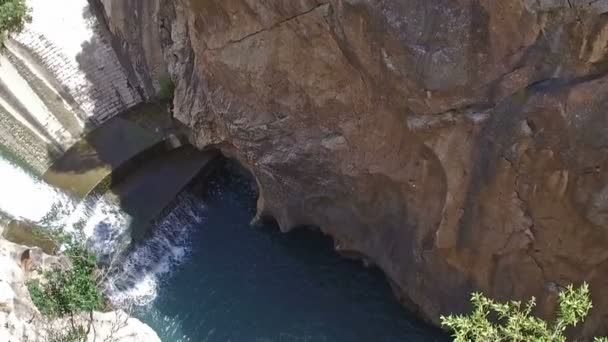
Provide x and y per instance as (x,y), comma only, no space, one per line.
(457,145)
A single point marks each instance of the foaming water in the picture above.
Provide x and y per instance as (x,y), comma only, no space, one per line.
(134,271)
(28,198)
(105,225)
(135,279)
(239,283)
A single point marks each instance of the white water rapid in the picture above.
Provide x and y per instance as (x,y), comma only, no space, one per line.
(26,198)
(136,281)
(135,269)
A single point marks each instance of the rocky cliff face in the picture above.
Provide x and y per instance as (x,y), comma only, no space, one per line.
(457,145)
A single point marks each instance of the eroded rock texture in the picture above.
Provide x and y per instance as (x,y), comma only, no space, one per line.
(458,145)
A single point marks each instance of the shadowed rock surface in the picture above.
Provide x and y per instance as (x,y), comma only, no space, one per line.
(458,145)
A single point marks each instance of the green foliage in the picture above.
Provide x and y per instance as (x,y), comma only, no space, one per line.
(492,321)
(13,15)
(68,292)
(76,333)
(167,89)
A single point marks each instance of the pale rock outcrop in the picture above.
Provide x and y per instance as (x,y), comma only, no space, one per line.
(458,145)
(20,321)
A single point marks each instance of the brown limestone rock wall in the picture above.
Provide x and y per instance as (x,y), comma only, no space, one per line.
(459,145)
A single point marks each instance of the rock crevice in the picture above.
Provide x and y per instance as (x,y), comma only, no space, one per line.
(271,27)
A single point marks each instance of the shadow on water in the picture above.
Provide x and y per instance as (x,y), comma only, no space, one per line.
(241,283)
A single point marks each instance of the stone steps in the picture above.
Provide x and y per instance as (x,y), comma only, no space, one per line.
(20,142)
(49,96)
(21,101)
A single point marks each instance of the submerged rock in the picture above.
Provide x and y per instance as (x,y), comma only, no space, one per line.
(458,145)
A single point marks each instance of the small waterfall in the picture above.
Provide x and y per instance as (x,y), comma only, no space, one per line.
(134,270)
(104,224)
(136,281)
(27,198)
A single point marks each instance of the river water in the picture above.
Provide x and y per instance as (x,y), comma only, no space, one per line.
(240,283)
(204,273)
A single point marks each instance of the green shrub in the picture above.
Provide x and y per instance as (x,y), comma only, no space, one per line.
(75,333)
(71,291)
(167,89)
(13,15)
(492,321)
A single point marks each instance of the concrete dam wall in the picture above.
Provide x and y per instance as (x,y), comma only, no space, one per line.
(55,86)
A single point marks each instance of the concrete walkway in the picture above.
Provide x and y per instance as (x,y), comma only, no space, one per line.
(113,149)
(135,159)
(144,193)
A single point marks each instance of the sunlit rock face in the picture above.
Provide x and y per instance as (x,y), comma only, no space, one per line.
(458,145)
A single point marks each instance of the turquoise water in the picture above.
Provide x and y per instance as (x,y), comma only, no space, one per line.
(240,283)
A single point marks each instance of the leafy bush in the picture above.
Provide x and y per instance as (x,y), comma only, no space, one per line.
(68,292)
(167,89)
(75,333)
(492,321)
(13,15)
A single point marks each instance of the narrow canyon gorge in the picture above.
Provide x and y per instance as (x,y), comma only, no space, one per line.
(456,145)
